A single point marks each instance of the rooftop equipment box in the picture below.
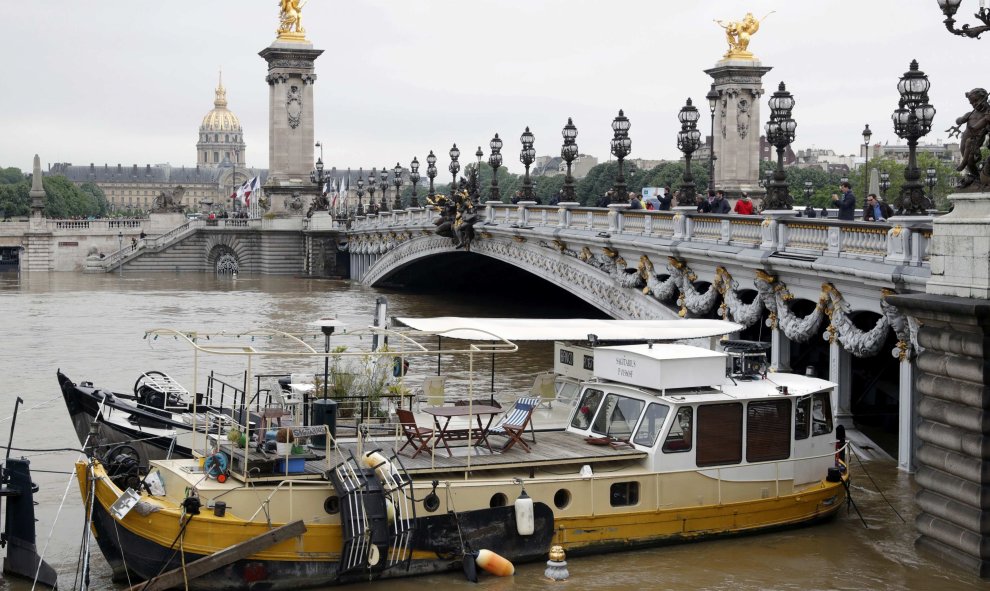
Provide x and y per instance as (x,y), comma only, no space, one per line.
(660,366)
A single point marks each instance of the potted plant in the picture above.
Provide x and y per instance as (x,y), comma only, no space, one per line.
(283,441)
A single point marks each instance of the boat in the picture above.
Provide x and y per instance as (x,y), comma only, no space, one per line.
(667,443)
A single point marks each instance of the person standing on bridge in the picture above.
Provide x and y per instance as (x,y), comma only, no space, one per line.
(720,205)
(847,203)
(876,210)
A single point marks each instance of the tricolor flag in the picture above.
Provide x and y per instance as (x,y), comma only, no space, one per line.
(250,186)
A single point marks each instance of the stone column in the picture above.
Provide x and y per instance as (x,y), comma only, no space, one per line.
(840,372)
(780,351)
(737,125)
(906,416)
(290,125)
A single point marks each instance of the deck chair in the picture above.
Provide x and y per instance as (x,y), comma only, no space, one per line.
(416,436)
(543,387)
(432,390)
(513,425)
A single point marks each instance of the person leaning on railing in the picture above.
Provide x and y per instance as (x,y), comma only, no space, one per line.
(876,210)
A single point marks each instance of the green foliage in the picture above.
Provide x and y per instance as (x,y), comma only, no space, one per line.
(14,199)
(63,199)
(11,176)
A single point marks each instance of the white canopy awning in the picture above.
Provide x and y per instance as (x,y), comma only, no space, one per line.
(569,329)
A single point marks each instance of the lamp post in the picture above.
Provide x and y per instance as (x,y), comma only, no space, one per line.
(120,251)
(931,179)
(360,191)
(884,183)
(913,120)
(371,190)
(780,132)
(476,173)
(383,185)
(527,155)
(454,168)
(809,190)
(397,181)
(414,179)
(495,161)
(569,152)
(621,147)
(688,140)
(866,164)
(949,8)
(431,173)
(712,96)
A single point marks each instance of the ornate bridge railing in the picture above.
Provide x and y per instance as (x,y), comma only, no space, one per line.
(901,241)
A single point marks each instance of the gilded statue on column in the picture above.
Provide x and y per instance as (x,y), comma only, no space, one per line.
(738,34)
(290,20)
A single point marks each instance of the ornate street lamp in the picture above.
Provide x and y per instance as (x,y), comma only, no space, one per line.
(431,172)
(397,181)
(371,190)
(712,96)
(383,185)
(621,147)
(454,168)
(809,190)
(495,161)
(569,152)
(476,174)
(912,121)
(949,8)
(527,155)
(360,191)
(688,140)
(931,179)
(317,176)
(884,183)
(414,179)
(780,133)
(866,165)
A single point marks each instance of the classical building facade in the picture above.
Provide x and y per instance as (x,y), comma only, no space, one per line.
(207,186)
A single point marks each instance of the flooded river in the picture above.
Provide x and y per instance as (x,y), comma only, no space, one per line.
(91,326)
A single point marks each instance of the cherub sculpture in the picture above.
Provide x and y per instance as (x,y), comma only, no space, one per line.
(972,140)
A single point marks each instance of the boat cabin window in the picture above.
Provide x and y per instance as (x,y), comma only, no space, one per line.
(618,416)
(821,414)
(719,434)
(802,418)
(652,423)
(679,436)
(623,494)
(768,430)
(587,408)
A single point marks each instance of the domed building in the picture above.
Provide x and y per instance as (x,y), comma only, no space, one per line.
(221,136)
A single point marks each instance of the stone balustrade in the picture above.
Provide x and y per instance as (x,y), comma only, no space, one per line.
(901,240)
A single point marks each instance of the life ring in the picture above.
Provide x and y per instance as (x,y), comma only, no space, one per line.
(215,466)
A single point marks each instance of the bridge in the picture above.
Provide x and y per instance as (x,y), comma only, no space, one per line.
(818,285)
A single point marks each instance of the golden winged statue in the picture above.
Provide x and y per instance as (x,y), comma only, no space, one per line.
(738,34)
(290,20)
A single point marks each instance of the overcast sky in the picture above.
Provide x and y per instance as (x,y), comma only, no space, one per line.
(129,81)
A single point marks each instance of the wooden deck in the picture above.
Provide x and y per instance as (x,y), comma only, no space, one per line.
(551,448)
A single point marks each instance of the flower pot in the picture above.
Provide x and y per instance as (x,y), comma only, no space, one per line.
(283,448)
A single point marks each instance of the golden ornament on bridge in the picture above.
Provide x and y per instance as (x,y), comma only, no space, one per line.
(290,21)
(738,34)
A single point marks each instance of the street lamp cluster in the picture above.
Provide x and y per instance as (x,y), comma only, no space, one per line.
(621,147)
(495,161)
(949,8)
(912,121)
(688,140)
(780,132)
(527,155)
(569,151)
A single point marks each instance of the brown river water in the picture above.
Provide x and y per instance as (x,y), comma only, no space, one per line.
(91,326)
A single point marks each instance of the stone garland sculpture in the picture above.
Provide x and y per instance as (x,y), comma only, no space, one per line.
(732,307)
(858,342)
(682,279)
(613,265)
(904,327)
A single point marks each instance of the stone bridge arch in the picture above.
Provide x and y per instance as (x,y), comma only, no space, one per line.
(225,253)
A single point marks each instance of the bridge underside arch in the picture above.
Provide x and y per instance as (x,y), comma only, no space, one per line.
(537,262)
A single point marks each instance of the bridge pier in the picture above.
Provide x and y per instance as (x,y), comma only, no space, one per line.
(780,351)
(840,372)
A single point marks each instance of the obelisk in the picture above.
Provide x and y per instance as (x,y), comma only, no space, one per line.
(738,82)
(290,114)
(37,193)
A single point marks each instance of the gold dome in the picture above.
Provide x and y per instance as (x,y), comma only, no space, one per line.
(220,119)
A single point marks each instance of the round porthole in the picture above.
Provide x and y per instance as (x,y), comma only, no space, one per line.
(431,502)
(562,498)
(498,500)
(332,505)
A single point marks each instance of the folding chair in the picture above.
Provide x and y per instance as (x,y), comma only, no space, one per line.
(432,390)
(543,387)
(418,437)
(513,424)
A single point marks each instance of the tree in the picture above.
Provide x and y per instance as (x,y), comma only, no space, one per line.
(63,199)
(11,176)
(14,199)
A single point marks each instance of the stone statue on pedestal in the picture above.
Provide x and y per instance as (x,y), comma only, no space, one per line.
(976,174)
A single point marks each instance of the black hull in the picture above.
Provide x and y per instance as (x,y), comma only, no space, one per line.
(492,529)
(83,404)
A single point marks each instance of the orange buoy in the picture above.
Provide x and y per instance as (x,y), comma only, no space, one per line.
(494,564)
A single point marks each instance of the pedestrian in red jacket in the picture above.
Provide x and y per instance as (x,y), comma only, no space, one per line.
(745,205)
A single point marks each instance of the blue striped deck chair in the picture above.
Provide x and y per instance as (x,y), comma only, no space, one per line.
(513,424)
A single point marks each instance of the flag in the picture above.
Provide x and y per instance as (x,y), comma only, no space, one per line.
(239,193)
(249,187)
(335,191)
(326,188)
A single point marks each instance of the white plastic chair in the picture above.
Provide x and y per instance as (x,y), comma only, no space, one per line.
(432,390)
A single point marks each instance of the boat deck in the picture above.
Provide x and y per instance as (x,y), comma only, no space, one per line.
(554,448)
